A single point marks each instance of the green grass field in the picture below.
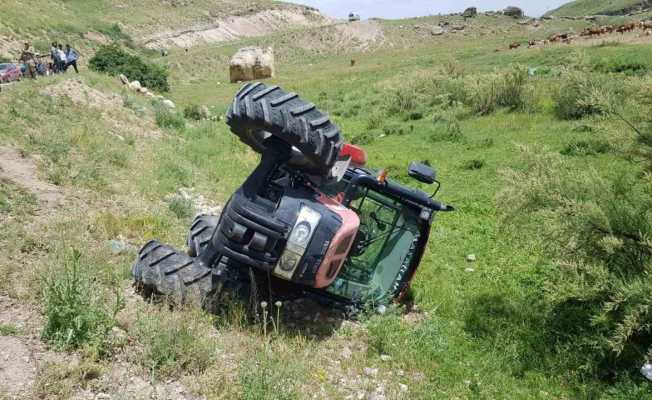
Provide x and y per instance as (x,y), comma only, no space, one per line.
(482,332)
(591,7)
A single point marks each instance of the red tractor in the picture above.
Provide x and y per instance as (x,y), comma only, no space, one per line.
(310,220)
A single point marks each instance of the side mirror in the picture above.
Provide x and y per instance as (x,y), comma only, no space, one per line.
(422,173)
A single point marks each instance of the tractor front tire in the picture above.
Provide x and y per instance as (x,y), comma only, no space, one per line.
(259,111)
(201,231)
(160,270)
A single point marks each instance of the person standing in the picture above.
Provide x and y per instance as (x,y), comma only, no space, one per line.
(54,54)
(28,59)
(62,59)
(71,57)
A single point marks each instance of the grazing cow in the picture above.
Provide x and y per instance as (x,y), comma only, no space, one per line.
(646,25)
(514,45)
(532,43)
(352,62)
(628,27)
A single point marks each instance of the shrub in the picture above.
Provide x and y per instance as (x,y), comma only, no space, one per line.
(76,314)
(621,65)
(180,207)
(599,233)
(573,99)
(113,60)
(587,148)
(193,112)
(175,341)
(401,101)
(507,89)
(474,164)
(169,119)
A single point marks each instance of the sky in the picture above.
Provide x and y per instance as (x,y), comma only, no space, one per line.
(394,9)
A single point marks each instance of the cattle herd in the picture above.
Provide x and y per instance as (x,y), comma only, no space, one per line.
(590,32)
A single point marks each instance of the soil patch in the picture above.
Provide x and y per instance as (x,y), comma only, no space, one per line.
(22,171)
(236,27)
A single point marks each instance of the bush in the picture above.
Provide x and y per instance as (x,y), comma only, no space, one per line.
(587,148)
(113,60)
(180,207)
(573,99)
(169,119)
(507,89)
(599,233)
(193,112)
(76,315)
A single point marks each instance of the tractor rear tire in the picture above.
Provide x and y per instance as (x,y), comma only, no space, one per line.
(160,270)
(201,232)
(259,111)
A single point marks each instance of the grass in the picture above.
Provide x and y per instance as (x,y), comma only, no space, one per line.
(483,334)
(581,8)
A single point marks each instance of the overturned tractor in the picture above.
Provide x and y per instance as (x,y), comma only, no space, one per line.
(311,219)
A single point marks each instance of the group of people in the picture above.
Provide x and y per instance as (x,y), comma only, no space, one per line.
(63,59)
(32,64)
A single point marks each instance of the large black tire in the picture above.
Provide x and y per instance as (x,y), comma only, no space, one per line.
(164,271)
(200,233)
(259,110)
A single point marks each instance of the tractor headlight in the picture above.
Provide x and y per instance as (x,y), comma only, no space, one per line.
(298,241)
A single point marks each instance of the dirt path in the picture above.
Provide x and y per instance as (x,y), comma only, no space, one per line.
(22,171)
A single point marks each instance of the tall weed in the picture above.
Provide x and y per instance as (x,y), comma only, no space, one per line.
(599,233)
(76,312)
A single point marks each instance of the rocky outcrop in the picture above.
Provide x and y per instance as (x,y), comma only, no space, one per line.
(514,12)
(470,12)
(251,63)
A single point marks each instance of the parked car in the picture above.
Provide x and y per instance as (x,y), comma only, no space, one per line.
(10,72)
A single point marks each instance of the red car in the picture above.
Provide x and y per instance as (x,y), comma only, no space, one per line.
(10,72)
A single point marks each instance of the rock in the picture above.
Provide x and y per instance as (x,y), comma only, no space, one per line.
(403,387)
(437,31)
(469,270)
(102,396)
(135,85)
(167,103)
(514,12)
(385,357)
(251,63)
(525,22)
(381,309)
(119,246)
(646,370)
(346,353)
(470,12)
(471,258)
(118,337)
(124,79)
(371,372)
(204,112)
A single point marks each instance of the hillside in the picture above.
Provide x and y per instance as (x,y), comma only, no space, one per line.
(149,22)
(580,8)
(537,287)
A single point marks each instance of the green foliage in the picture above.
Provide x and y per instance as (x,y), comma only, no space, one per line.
(624,65)
(180,207)
(193,112)
(169,119)
(9,330)
(587,148)
(573,99)
(113,60)
(77,315)
(267,380)
(175,341)
(599,232)
(504,90)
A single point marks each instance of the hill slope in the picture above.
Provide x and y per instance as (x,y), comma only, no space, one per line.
(153,22)
(601,7)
